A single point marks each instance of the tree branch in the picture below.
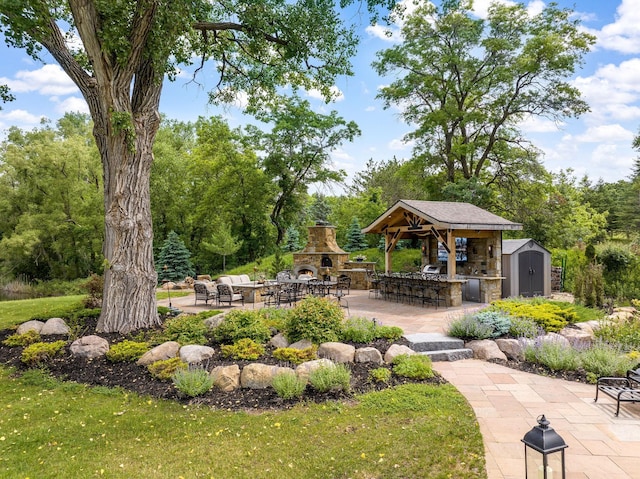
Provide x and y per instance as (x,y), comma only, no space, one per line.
(238,27)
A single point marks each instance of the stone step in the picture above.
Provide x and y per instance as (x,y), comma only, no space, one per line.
(422,342)
(449,354)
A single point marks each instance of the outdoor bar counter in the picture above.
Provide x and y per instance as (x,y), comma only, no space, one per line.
(440,289)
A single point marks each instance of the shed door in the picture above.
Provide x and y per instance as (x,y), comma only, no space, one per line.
(531,273)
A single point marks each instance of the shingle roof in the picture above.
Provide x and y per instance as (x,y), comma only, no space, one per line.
(446,214)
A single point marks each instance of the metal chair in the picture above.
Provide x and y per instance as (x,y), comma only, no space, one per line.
(226,294)
(203,293)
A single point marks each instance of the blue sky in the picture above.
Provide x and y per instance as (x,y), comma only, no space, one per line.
(598,144)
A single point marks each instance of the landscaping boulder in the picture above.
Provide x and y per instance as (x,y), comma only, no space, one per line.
(54,326)
(32,325)
(485,349)
(577,336)
(368,355)
(622,314)
(214,321)
(260,376)
(166,350)
(89,347)
(396,350)
(554,338)
(305,369)
(226,378)
(512,348)
(302,344)
(194,353)
(338,352)
(279,341)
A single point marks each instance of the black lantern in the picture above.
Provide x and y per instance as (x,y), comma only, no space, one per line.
(543,452)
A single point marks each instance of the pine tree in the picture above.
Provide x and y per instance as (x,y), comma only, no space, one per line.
(173,261)
(320,209)
(292,240)
(355,237)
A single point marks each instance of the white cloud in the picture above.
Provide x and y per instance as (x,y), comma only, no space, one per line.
(605,134)
(399,144)
(48,80)
(612,92)
(336,94)
(370,108)
(536,124)
(623,34)
(72,104)
(20,118)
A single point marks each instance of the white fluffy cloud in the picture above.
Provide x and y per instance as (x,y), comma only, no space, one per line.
(47,80)
(605,134)
(71,104)
(623,35)
(336,94)
(20,118)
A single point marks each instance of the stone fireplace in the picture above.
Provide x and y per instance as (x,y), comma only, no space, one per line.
(322,253)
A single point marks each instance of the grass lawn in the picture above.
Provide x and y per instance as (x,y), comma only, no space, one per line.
(51,429)
(16,312)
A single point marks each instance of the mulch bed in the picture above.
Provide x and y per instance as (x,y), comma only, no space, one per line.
(130,376)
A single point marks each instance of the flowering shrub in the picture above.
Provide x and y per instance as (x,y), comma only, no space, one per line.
(467,327)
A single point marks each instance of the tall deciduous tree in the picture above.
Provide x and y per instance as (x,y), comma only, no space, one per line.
(50,201)
(118,53)
(466,83)
(297,153)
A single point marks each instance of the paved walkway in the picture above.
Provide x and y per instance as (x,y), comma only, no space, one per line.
(507,402)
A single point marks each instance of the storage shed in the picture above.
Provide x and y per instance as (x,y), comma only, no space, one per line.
(526,267)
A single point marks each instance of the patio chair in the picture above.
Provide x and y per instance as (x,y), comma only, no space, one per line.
(203,293)
(226,294)
(344,283)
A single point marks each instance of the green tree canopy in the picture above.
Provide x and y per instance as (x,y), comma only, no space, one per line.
(466,83)
(297,153)
(355,237)
(51,201)
(223,243)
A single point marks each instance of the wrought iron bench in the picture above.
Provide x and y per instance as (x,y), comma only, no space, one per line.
(622,389)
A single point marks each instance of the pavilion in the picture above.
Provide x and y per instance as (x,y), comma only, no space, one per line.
(460,240)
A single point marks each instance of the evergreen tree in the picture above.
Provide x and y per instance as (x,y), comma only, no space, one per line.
(173,261)
(292,240)
(320,209)
(355,237)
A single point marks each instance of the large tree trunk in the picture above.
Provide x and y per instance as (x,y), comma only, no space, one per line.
(130,279)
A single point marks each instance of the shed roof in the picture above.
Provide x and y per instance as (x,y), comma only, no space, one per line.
(510,246)
(441,215)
